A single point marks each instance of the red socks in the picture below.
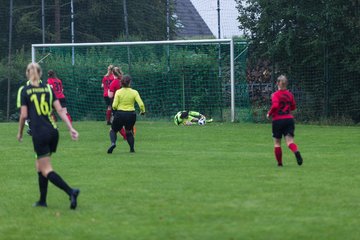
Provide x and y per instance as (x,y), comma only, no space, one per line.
(108,115)
(278,152)
(278,155)
(293,147)
(123,133)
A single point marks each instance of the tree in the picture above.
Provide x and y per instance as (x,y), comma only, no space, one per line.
(315,42)
(57,21)
(282,29)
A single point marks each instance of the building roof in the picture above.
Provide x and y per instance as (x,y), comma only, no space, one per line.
(190,23)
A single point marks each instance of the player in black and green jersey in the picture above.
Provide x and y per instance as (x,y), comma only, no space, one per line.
(37,100)
(189,118)
(18,105)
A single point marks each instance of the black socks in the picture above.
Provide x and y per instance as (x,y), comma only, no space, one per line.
(43,185)
(131,140)
(55,179)
(113,137)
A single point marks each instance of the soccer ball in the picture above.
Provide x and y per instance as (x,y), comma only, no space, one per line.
(202,121)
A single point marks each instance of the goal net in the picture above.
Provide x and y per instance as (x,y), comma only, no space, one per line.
(201,75)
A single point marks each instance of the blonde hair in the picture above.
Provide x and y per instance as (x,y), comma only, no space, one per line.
(117,72)
(33,73)
(282,82)
(110,69)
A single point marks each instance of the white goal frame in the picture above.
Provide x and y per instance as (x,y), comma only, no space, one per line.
(170,42)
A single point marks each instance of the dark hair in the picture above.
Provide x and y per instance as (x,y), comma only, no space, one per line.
(51,74)
(125,81)
(184,114)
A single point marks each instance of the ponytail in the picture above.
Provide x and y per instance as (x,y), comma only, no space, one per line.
(110,69)
(33,73)
(117,72)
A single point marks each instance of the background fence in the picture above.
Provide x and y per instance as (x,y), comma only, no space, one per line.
(325,86)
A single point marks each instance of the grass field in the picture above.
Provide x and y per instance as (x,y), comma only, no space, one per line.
(219,181)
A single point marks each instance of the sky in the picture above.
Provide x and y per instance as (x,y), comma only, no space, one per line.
(228,14)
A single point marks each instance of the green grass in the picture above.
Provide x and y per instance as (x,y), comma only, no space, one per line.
(219,181)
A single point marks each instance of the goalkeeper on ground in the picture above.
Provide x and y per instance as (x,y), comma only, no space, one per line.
(189,118)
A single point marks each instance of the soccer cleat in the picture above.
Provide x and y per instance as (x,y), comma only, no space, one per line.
(111,148)
(298,158)
(132,150)
(73,198)
(280,164)
(209,120)
(40,204)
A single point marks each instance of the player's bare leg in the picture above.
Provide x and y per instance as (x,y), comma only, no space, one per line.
(44,166)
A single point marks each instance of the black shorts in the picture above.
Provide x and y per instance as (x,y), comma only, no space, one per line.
(283,127)
(62,102)
(123,118)
(45,143)
(107,101)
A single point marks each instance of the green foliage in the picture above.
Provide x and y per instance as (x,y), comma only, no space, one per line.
(95,21)
(316,43)
(186,79)
(219,181)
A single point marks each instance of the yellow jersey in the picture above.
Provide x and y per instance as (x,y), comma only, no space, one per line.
(125,99)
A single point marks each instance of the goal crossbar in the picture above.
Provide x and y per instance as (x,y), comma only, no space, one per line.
(167,42)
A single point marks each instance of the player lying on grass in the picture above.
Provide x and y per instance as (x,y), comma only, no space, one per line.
(37,100)
(189,118)
(283,103)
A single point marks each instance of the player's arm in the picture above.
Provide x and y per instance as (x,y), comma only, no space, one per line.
(102,82)
(116,101)
(62,113)
(18,99)
(111,90)
(110,94)
(61,86)
(274,106)
(188,123)
(23,117)
(292,104)
(196,115)
(140,103)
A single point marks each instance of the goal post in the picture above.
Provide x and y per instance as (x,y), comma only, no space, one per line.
(169,75)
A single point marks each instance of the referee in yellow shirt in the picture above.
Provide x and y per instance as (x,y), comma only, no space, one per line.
(125,115)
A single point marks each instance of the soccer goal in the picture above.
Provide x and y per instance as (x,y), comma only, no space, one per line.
(200,75)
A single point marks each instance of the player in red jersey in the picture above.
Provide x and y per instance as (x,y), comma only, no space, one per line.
(283,103)
(116,83)
(58,89)
(114,86)
(105,84)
